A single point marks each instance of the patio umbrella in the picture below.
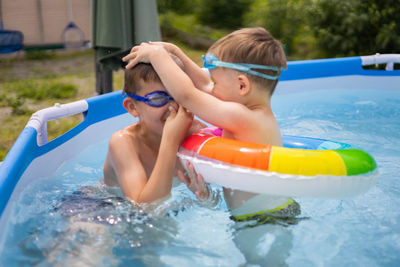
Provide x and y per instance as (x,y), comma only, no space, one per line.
(117,26)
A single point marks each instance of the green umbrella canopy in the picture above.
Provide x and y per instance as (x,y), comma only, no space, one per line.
(120,24)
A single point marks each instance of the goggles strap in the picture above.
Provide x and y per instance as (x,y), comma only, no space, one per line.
(211,61)
(247,68)
(136,97)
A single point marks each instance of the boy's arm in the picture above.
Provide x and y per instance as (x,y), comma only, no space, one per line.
(131,174)
(200,79)
(159,183)
(132,177)
(232,116)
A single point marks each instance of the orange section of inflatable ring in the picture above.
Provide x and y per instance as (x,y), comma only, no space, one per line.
(236,152)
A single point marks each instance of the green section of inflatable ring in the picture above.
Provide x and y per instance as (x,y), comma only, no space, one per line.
(356,161)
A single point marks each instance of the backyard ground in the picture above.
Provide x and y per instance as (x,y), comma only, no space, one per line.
(36,80)
(30,82)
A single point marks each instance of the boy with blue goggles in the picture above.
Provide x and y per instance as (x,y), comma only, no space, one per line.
(141,157)
(154,99)
(211,61)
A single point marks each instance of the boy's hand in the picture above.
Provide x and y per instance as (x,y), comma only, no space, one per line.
(195,182)
(177,124)
(141,53)
(171,48)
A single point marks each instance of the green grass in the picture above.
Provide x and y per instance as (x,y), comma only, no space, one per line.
(32,83)
(40,89)
(28,85)
(11,127)
(56,128)
(39,55)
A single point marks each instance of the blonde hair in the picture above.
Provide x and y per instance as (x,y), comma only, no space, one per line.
(252,46)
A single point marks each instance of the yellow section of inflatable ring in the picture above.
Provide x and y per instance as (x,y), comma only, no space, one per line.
(306,162)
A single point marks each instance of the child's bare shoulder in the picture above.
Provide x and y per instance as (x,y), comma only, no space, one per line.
(123,136)
(262,128)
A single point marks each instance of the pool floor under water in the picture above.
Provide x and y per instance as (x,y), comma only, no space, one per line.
(72,218)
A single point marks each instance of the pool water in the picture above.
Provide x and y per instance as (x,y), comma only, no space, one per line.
(70,217)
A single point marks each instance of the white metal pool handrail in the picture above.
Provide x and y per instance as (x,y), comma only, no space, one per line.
(39,119)
(388,59)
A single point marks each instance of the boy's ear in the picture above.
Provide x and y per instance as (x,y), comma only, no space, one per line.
(244,85)
(129,105)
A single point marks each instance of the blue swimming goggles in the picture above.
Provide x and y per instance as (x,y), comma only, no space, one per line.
(155,99)
(211,61)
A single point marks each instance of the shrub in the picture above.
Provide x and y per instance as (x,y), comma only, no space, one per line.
(356,27)
(223,14)
(285,20)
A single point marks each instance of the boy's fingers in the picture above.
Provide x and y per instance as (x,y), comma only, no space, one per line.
(131,55)
(132,63)
(172,111)
(182,177)
(188,111)
(203,189)
(135,48)
(185,110)
(193,176)
(181,109)
(191,171)
(200,182)
(190,167)
(127,57)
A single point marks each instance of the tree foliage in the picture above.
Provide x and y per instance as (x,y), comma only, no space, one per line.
(356,27)
(309,28)
(177,6)
(283,19)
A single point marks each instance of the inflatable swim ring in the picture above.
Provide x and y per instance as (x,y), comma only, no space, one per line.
(303,167)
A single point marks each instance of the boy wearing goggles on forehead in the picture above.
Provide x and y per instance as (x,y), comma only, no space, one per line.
(244,67)
(141,158)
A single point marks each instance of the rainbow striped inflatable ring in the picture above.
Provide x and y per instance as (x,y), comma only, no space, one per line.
(303,167)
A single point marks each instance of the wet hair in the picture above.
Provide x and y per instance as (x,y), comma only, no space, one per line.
(252,46)
(141,73)
(136,76)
